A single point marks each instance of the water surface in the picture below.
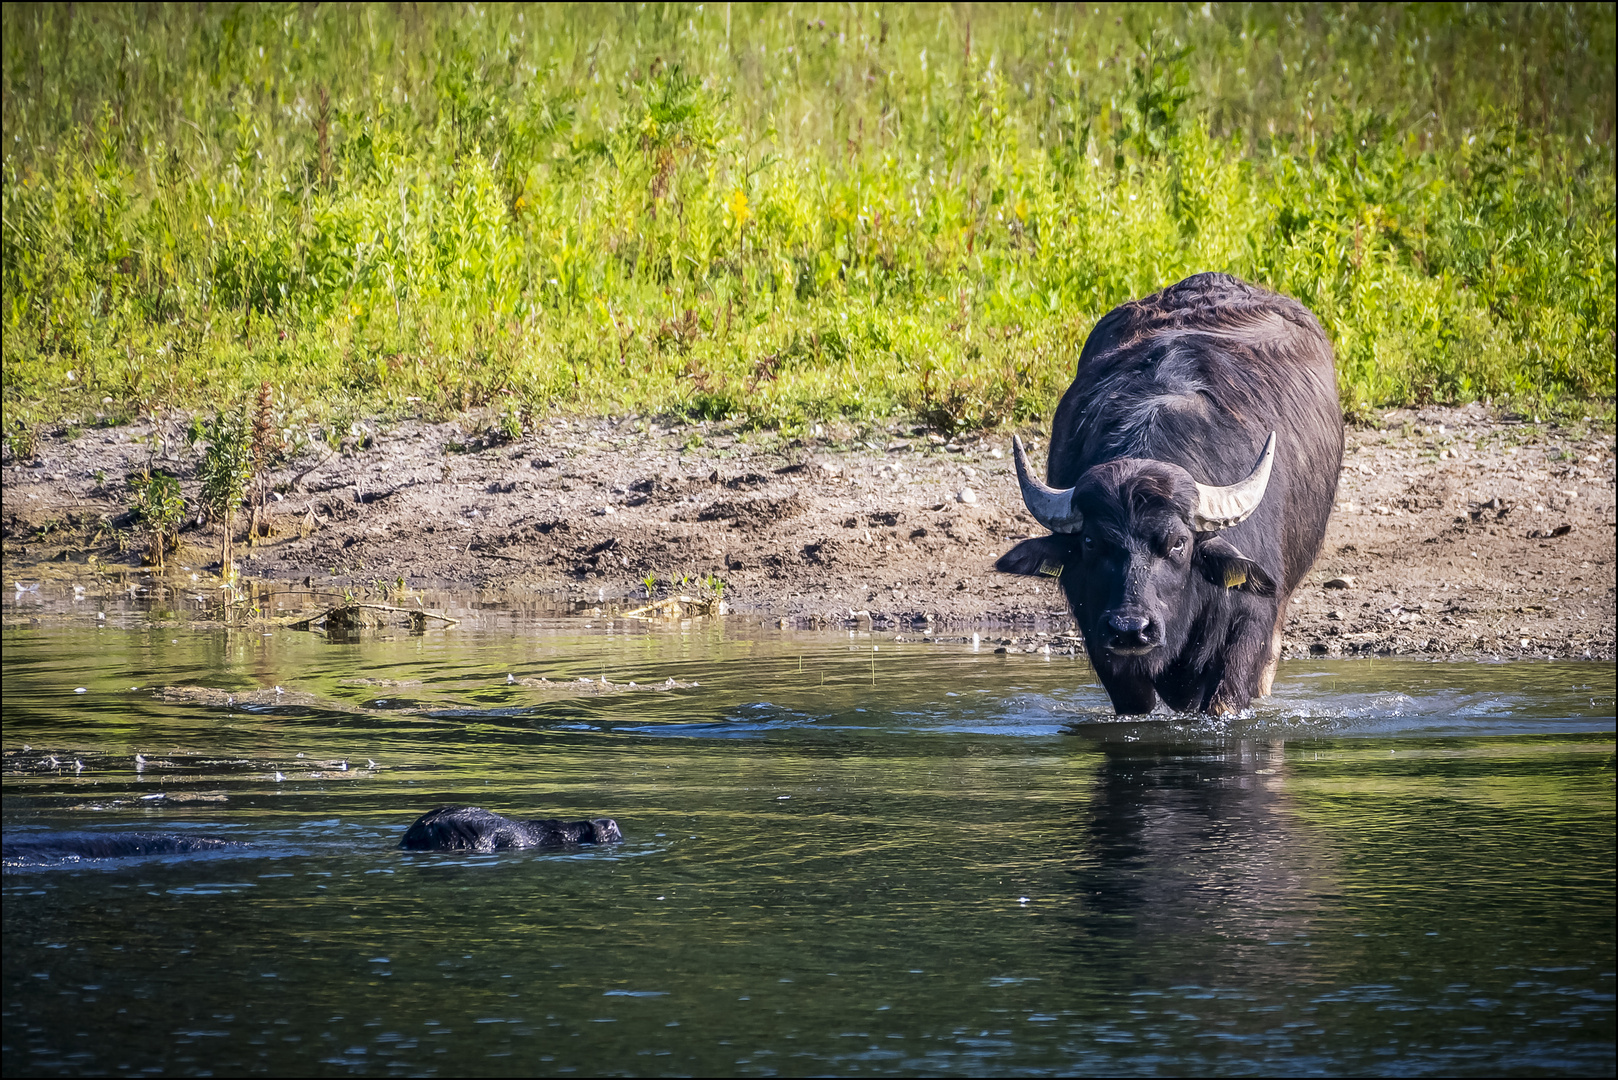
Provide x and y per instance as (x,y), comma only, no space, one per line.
(923,858)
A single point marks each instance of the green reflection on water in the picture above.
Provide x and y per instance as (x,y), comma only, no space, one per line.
(966,870)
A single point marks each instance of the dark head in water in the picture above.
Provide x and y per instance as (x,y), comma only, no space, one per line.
(471,828)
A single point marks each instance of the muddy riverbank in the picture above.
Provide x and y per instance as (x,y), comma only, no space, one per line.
(1457,531)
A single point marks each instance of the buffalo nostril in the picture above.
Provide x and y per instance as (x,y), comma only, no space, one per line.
(1131,633)
(1129,624)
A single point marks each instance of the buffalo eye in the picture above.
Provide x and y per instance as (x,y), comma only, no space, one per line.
(1179,546)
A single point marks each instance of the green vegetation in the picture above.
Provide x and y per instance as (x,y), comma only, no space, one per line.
(784,213)
(159,507)
(226,473)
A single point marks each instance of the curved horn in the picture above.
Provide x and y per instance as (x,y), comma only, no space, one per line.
(1222,507)
(1051,508)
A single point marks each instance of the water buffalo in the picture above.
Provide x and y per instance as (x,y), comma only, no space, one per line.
(449,828)
(1192,466)
(471,828)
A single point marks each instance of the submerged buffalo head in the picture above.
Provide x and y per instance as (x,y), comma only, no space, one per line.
(1136,549)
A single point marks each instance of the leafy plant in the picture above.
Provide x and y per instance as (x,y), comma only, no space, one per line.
(22,439)
(159,506)
(265,447)
(714,586)
(510,422)
(981,399)
(226,472)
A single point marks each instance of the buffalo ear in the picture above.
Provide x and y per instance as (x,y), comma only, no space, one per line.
(1228,568)
(1042,555)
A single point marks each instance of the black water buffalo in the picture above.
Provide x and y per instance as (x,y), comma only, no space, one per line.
(1176,551)
(449,828)
(471,828)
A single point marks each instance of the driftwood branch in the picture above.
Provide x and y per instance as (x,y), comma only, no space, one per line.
(674,607)
(343,614)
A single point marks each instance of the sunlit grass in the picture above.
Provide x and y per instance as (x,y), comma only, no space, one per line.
(785,213)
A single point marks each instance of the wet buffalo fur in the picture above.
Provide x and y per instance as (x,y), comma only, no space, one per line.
(471,828)
(1179,388)
(72,847)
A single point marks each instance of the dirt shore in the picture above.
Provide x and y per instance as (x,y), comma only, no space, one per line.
(1456,532)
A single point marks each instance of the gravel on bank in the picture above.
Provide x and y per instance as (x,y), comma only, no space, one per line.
(1457,532)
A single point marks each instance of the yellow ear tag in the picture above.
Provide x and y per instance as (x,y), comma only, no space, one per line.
(1050,569)
(1235,574)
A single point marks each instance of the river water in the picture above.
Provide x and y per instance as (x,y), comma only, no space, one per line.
(922,857)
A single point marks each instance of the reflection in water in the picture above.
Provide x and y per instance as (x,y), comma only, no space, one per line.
(970,869)
(1196,870)
(1198,837)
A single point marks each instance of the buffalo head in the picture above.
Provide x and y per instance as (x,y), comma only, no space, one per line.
(1135,545)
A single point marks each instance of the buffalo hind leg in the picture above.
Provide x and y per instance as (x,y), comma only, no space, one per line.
(1266,677)
(1249,663)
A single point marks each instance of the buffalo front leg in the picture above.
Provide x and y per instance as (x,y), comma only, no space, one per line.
(1132,694)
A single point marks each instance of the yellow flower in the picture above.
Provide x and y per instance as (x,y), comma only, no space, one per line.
(738,207)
